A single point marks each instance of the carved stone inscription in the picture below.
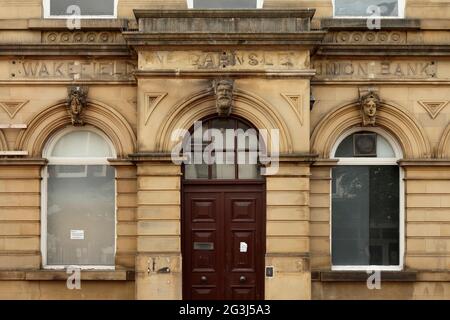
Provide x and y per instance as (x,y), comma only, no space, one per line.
(72,70)
(223,60)
(375,70)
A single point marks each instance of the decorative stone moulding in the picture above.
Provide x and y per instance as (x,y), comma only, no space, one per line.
(57,37)
(53,118)
(396,120)
(12,107)
(77,103)
(443,148)
(202,104)
(371,37)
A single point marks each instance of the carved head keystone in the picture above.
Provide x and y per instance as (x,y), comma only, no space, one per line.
(369,105)
(223,89)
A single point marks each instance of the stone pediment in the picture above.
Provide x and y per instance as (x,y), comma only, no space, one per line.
(224,27)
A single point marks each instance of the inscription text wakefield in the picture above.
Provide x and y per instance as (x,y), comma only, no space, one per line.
(230,60)
(375,69)
(78,70)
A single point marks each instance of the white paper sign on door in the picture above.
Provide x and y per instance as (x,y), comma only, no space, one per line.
(76,234)
(243,247)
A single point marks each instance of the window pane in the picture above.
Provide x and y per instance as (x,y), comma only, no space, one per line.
(360,8)
(80,215)
(248,167)
(384,215)
(365,219)
(224,4)
(346,148)
(196,171)
(88,7)
(350,222)
(384,149)
(223,171)
(82,144)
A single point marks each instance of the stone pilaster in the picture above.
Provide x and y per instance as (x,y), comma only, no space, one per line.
(288,235)
(158,259)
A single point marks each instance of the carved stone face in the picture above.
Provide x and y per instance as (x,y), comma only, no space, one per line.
(224,96)
(369,105)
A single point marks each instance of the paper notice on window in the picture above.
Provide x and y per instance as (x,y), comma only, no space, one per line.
(243,247)
(76,234)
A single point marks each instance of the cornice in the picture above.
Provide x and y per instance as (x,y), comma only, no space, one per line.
(41,49)
(282,40)
(364,50)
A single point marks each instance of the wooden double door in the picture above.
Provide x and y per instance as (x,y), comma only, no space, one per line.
(223,241)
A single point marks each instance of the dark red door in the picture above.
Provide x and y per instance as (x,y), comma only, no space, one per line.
(223,241)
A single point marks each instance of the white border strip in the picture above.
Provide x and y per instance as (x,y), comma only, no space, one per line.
(401,13)
(47,15)
(259,4)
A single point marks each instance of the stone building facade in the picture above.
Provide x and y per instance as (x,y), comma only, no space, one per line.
(363,122)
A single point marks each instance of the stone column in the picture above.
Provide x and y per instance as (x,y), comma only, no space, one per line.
(158,259)
(287,244)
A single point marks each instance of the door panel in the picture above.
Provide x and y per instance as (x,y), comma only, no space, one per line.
(202,235)
(223,242)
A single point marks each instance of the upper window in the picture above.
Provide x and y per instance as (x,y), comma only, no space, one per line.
(366,224)
(369,8)
(82,9)
(223,149)
(225,4)
(78,200)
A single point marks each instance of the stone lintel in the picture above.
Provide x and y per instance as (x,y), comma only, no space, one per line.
(23,161)
(325,162)
(298,158)
(153,157)
(424,162)
(217,73)
(361,24)
(364,50)
(86,24)
(41,49)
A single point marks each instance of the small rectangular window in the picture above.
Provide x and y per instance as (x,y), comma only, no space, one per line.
(82,9)
(225,4)
(368,8)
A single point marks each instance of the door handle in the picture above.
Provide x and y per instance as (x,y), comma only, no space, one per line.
(242,279)
(204,279)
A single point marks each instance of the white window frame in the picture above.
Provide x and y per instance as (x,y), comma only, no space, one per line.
(372,161)
(71,161)
(47,13)
(259,4)
(401,13)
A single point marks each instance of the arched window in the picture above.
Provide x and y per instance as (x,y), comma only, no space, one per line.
(78,220)
(223,149)
(367,209)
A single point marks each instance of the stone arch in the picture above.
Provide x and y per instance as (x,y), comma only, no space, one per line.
(443,148)
(202,104)
(56,117)
(3,143)
(394,119)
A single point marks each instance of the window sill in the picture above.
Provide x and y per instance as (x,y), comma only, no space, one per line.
(362,276)
(61,275)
